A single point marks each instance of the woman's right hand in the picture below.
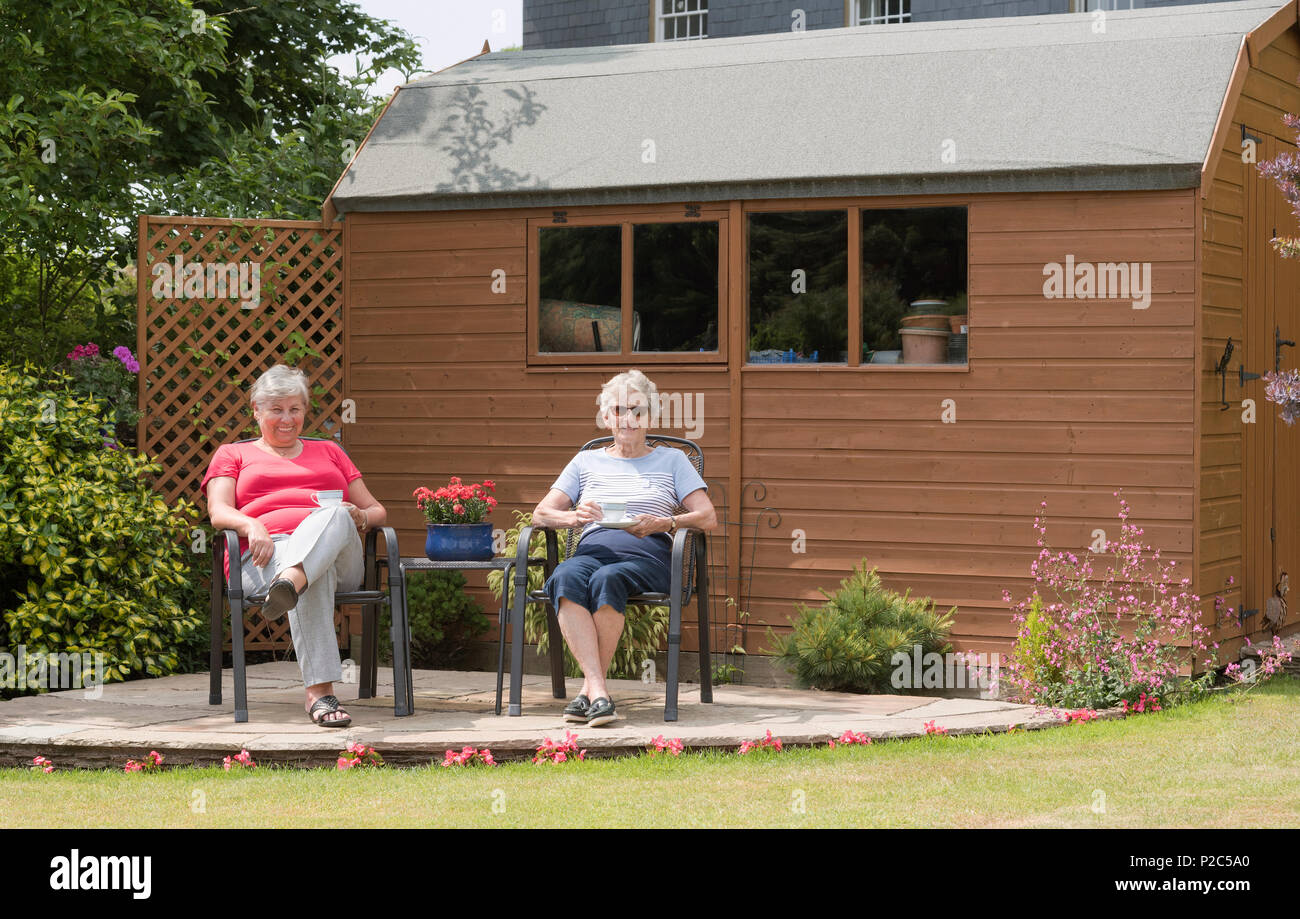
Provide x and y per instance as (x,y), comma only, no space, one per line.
(586,512)
(259,544)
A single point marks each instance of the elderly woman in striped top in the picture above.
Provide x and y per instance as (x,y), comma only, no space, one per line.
(589,590)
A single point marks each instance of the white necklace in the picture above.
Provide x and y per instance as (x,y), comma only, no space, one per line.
(276,449)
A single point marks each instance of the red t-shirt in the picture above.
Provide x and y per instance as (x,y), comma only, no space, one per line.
(278,490)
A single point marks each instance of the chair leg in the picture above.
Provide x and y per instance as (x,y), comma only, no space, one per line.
(403,692)
(556,637)
(702,604)
(503,617)
(674,646)
(517,654)
(214,655)
(369,653)
(237,659)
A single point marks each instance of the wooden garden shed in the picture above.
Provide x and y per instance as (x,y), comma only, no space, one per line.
(746,220)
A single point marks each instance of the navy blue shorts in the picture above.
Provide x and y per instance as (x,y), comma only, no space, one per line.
(596,576)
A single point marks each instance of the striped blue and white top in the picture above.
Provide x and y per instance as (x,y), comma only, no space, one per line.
(652,484)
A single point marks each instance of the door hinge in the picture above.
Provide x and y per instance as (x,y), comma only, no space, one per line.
(1272,534)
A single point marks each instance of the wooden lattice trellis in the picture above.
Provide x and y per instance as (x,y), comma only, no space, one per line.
(199,353)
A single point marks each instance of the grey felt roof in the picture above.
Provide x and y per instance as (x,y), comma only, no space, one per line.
(1029,103)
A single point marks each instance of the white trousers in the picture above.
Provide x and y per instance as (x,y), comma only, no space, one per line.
(328,547)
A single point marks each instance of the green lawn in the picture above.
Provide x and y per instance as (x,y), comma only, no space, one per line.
(1217,763)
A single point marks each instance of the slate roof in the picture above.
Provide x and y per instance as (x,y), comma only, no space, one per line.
(1028,103)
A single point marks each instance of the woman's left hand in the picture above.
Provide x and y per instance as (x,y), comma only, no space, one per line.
(647,524)
(356,513)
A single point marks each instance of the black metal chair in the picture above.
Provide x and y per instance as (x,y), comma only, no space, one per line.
(230,595)
(689,578)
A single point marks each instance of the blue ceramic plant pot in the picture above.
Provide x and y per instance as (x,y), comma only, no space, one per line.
(457,542)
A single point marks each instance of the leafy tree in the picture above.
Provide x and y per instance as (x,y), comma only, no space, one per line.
(110,108)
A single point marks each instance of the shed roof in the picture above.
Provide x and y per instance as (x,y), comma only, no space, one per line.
(1028,103)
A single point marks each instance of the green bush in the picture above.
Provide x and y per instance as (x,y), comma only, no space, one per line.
(644,627)
(92,560)
(1030,652)
(443,619)
(846,645)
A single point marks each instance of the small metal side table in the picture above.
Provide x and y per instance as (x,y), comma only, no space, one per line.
(514,617)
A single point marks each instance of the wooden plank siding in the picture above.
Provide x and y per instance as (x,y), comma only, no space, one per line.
(1236,457)
(1063,400)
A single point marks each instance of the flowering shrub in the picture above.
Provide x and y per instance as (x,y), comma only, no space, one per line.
(658,745)
(105,378)
(243,760)
(150,764)
(456,503)
(848,739)
(932,728)
(92,559)
(1284,389)
(468,756)
(552,752)
(359,755)
(1083,657)
(1144,703)
(1082,714)
(43,764)
(1271,659)
(767,742)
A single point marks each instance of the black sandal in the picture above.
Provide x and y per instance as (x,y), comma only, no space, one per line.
(281,597)
(327,705)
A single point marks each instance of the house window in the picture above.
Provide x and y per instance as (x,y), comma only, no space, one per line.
(913,285)
(608,288)
(798,287)
(681,20)
(872,12)
(1087,6)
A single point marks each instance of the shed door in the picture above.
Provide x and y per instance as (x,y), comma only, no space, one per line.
(1285,285)
(1277,462)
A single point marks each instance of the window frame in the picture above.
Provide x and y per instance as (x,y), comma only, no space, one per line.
(625,356)
(885,18)
(658,18)
(854,249)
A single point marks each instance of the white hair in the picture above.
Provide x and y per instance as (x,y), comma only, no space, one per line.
(618,386)
(280,382)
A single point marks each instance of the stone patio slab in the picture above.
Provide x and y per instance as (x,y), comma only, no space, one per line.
(452,709)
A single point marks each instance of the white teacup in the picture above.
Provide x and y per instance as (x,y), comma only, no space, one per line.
(328,498)
(614,511)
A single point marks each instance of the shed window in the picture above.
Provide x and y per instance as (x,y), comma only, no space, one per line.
(798,287)
(580,305)
(675,286)
(914,277)
(610,287)
(681,20)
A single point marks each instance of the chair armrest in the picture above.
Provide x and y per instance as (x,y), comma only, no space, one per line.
(391,553)
(226,546)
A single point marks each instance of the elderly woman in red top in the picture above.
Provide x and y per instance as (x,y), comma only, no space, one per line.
(298,546)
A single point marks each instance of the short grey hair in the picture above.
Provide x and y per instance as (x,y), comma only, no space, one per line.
(619,385)
(280,382)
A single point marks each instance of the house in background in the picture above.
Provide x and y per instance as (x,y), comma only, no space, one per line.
(582,23)
(522,226)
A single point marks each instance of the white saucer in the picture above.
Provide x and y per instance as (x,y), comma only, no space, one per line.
(616,524)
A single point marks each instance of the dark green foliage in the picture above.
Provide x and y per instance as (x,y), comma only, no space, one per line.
(443,620)
(846,645)
(93,558)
